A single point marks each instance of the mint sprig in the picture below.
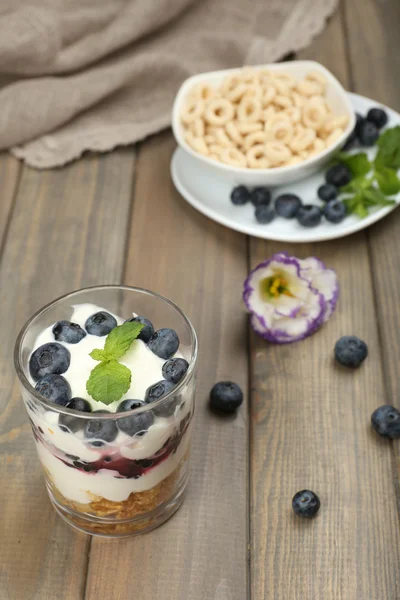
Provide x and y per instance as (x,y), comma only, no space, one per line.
(373,181)
(110,380)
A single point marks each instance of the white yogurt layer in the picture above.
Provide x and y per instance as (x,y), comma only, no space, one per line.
(146,369)
(79,486)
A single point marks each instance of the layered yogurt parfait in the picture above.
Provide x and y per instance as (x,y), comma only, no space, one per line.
(107,376)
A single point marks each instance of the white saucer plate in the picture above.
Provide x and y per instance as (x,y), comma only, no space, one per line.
(209,193)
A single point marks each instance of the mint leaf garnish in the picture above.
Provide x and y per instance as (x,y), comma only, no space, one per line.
(388,181)
(119,340)
(358,164)
(98,354)
(108,381)
(389,149)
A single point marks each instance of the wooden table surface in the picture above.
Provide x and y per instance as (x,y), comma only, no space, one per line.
(117,218)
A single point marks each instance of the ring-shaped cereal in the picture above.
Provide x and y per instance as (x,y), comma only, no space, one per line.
(334,136)
(233,156)
(283,101)
(219,112)
(313,115)
(317,76)
(197,144)
(268,115)
(293,114)
(309,88)
(256,157)
(317,147)
(286,78)
(298,100)
(193,109)
(245,128)
(204,91)
(249,75)
(302,139)
(249,110)
(258,137)
(282,88)
(295,160)
(268,96)
(229,84)
(198,128)
(233,132)
(333,123)
(215,149)
(277,153)
(209,139)
(222,139)
(237,93)
(280,130)
(254,91)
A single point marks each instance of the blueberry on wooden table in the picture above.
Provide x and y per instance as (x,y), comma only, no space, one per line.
(386,421)
(309,215)
(306,504)
(70,333)
(287,205)
(350,351)
(334,211)
(240,195)
(225,397)
(101,323)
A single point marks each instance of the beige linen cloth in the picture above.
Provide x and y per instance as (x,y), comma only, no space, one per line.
(80,75)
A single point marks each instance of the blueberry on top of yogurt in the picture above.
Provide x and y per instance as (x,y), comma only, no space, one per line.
(71,333)
(49,359)
(101,323)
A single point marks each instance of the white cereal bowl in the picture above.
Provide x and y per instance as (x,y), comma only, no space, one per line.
(335,95)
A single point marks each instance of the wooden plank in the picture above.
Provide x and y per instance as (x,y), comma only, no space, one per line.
(310,429)
(9,175)
(201,552)
(383,61)
(68,230)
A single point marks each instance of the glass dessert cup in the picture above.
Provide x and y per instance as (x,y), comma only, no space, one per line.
(136,482)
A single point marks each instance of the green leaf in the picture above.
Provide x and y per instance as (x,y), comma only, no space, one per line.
(388,181)
(108,382)
(389,149)
(361,211)
(98,354)
(374,197)
(119,340)
(358,164)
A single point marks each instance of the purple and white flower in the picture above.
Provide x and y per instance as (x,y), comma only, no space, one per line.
(290,298)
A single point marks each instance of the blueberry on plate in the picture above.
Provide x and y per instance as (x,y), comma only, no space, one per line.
(157,391)
(287,205)
(359,119)
(70,333)
(306,504)
(327,192)
(54,388)
(338,175)
(309,215)
(260,196)
(377,116)
(49,359)
(369,133)
(386,421)
(98,432)
(69,423)
(174,369)
(350,351)
(164,343)
(264,214)
(225,397)
(134,424)
(101,323)
(147,330)
(334,211)
(240,195)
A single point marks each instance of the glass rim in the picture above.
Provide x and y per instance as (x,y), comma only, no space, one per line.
(102,416)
